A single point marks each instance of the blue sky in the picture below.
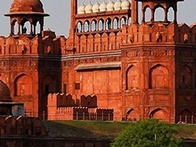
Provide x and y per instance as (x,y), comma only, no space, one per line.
(59,11)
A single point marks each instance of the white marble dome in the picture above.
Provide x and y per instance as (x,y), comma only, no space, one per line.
(81,9)
(110,6)
(125,5)
(88,8)
(117,5)
(95,7)
(103,6)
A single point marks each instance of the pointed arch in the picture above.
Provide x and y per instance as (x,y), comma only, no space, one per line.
(147,14)
(186,116)
(86,26)
(82,44)
(132,115)
(105,42)
(115,23)
(123,21)
(37,27)
(79,27)
(97,42)
(118,40)
(26,26)
(94,25)
(101,25)
(132,78)
(23,85)
(108,24)
(112,41)
(159,114)
(170,14)
(158,77)
(185,77)
(159,13)
(15,27)
(90,44)
(49,85)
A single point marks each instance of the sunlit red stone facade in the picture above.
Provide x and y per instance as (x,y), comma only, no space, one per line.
(109,62)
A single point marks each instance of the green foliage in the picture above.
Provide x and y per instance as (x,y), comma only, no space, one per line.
(148,133)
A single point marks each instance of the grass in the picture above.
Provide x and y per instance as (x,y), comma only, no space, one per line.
(186,131)
(85,129)
(107,130)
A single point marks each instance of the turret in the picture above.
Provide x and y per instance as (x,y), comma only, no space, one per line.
(154,4)
(25,16)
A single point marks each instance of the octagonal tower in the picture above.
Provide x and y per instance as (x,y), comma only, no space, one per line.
(30,57)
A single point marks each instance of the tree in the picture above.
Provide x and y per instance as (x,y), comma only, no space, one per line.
(148,133)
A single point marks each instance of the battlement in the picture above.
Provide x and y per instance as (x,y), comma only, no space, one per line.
(67,100)
(10,125)
(168,33)
(63,107)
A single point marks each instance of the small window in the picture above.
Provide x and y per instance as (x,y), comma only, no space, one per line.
(77,86)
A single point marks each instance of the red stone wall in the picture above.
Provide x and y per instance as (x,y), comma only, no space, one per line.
(138,70)
(86,109)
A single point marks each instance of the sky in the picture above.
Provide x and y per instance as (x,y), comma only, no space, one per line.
(59,10)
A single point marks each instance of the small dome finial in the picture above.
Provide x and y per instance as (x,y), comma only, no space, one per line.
(110,6)
(88,8)
(95,7)
(103,6)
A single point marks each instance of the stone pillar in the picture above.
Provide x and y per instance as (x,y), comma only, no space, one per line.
(134,12)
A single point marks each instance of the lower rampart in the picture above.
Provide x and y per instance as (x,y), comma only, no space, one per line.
(25,141)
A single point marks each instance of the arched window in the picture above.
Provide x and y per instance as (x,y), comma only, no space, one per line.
(37,29)
(93,25)
(79,27)
(26,27)
(159,78)
(185,77)
(159,114)
(186,116)
(132,115)
(86,26)
(132,78)
(159,14)
(49,85)
(115,23)
(147,14)
(23,86)
(101,24)
(170,14)
(123,21)
(108,24)
(15,27)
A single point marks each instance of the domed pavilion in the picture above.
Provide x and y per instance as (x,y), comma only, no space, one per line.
(23,11)
(7,107)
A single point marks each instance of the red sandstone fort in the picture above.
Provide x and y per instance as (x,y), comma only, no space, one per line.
(111,67)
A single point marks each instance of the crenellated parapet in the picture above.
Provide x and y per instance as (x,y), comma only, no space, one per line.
(62,107)
(67,100)
(20,125)
(46,44)
(89,101)
(160,33)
